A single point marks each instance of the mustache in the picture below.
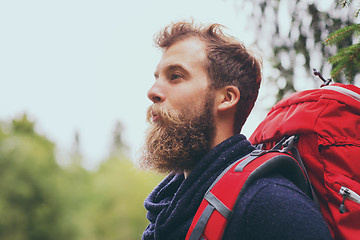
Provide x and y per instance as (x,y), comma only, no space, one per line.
(164,114)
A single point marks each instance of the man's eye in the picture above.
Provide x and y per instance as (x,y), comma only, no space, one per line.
(175,76)
(156,76)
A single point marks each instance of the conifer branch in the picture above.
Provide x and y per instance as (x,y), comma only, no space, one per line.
(342,34)
(345,3)
(347,60)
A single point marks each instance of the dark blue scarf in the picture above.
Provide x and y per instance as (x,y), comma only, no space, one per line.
(173,203)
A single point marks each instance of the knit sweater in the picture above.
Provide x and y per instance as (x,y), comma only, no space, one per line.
(271,208)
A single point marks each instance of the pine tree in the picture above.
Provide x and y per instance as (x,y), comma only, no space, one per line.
(290,37)
(347,59)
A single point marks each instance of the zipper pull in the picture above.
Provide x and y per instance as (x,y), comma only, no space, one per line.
(342,208)
(345,193)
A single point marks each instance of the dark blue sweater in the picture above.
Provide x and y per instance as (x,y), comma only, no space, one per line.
(271,208)
(274,208)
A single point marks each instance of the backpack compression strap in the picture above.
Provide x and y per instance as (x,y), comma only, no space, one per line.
(344,91)
(215,209)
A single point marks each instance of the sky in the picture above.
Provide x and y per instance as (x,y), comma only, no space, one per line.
(84,65)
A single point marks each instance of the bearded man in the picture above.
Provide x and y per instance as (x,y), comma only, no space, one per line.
(206,84)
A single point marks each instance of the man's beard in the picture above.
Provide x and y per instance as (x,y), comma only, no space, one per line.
(178,140)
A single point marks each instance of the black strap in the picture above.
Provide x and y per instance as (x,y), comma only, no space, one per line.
(290,147)
(200,225)
(282,164)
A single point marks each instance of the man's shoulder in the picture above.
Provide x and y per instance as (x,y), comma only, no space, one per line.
(276,207)
(274,186)
(275,191)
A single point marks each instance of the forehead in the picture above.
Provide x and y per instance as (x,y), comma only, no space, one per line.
(189,53)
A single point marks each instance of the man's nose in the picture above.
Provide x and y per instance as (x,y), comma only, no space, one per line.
(156,93)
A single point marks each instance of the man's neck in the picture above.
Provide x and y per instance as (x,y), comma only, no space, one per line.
(216,141)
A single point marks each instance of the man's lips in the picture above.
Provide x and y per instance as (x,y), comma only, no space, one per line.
(155,117)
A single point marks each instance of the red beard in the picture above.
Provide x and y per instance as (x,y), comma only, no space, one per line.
(177,141)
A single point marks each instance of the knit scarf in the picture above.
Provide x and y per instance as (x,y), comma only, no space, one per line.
(173,203)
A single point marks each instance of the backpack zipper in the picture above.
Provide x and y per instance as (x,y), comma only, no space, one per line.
(347,194)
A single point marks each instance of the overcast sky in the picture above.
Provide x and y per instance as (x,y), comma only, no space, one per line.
(82,65)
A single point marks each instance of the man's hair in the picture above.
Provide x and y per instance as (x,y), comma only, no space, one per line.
(228,62)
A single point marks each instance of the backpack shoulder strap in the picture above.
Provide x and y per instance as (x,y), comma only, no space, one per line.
(217,205)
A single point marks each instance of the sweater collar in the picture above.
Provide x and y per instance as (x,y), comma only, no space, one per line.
(173,203)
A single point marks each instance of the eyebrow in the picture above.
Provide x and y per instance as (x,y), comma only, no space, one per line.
(176,66)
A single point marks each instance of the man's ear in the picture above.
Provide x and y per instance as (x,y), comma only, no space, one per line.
(228,97)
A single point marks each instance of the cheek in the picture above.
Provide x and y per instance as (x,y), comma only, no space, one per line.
(191,96)
(194,106)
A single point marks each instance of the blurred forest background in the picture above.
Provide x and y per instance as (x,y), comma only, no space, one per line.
(42,198)
(47,195)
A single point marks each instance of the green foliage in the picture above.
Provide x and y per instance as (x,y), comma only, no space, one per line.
(30,205)
(342,34)
(347,59)
(23,125)
(118,193)
(41,200)
(346,3)
(294,44)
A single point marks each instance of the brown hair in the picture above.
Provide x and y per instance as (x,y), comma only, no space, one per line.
(228,62)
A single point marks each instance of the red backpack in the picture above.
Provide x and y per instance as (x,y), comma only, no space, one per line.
(327,121)
(323,127)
